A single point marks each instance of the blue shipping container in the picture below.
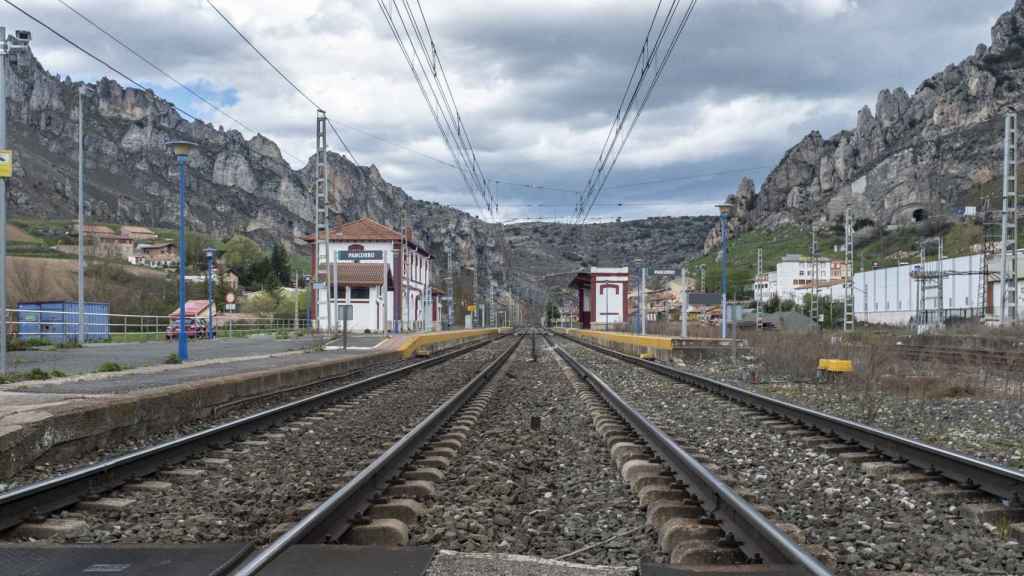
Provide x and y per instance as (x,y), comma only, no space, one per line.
(58,321)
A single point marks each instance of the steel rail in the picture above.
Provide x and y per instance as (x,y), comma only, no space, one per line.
(59,492)
(332,518)
(967,470)
(759,539)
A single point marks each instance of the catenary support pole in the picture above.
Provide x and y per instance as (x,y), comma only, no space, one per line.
(81,216)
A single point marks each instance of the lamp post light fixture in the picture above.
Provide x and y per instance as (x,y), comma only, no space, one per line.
(181,150)
(19,42)
(211,253)
(724,211)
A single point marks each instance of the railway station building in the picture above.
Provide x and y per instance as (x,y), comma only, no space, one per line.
(602,297)
(383,274)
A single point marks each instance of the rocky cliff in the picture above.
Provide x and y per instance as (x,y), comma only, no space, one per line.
(244,185)
(912,157)
(234,184)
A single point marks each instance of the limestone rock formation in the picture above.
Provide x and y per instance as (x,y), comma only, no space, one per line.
(911,155)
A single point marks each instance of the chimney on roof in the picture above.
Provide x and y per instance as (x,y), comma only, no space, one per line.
(408,234)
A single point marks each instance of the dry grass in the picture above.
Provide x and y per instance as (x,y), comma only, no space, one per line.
(880,369)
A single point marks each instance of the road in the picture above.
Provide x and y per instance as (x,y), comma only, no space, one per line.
(136,354)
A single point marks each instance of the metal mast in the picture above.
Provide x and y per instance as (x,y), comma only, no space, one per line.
(321,274)
(815,312)
(1008,264)
(758,297)
(451,289)
(848,301)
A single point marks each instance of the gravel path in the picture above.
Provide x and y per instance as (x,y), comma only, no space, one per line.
(866,523)
(43,469)
(265,481)
(988,429)
(543,492)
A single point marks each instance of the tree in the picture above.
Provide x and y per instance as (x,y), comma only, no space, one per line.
(241,254)
(553,313)
(280,265)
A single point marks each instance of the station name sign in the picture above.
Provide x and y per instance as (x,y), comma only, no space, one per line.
(665,272)
(347,256)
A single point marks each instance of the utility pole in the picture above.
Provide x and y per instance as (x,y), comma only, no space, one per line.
(848,301)
(643,300)
(296,283)
(1008,266)
(684,306)
(20,42)
(321,274)
(428,298)
(703,284)
(815,311)
(82,334)
(451,289)
(758,297)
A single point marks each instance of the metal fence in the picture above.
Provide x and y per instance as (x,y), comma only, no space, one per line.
(62,327)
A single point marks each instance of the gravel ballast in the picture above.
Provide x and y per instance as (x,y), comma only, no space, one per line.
(47,468)
(864,522)
(541,492)
(253,488)
(990,429)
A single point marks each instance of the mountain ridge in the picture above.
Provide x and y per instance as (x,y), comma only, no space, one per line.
(913,157)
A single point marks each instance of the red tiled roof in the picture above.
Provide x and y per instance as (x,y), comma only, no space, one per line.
(368,274)
(192,308)
(368,230)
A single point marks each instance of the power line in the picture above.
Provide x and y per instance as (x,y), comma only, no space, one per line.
(416,43)
(693,177)
(263,56)
(91,55)
(647,71)
(342,140)
(154,66)
(315,105)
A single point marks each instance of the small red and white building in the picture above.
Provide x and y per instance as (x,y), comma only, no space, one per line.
(602,295)
(384,276)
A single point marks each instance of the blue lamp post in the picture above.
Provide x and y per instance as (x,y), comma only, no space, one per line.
(723,213)
(181,149)
(211,252)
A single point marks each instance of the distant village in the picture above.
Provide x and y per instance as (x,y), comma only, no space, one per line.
(140,246)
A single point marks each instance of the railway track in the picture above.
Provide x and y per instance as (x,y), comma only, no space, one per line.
(332,519)
(833,478)
(727,523)
(35,502)
(969,356)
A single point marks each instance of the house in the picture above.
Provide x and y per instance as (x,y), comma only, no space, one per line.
(105,242)
(794,275)
(382,274)
(194,309)
(161,255)
(138,233)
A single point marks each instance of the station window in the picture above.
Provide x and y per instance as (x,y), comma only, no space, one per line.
(360,292)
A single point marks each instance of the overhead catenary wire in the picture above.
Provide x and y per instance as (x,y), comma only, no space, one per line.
(647,71)
(415,41)
(88,53)
(166,74)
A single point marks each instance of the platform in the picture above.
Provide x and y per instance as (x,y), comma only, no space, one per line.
(662,347)
(67,417)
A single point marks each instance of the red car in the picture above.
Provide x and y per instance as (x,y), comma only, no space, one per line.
(193,329)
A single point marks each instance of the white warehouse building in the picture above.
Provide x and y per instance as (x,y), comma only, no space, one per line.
(384,277)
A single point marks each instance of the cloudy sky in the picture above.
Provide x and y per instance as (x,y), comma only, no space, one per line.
(537,82)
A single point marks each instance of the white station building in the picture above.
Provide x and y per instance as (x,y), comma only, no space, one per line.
(383,276)
(601,297)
